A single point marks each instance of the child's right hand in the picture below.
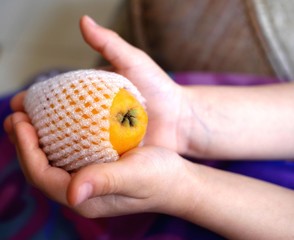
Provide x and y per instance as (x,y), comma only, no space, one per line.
(167,103)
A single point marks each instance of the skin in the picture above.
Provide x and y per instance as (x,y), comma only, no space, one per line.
(223,122)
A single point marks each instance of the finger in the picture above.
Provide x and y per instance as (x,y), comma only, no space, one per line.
(93,180)
(126,59)
(114,49)
(52,181)
(17,101)
(109,178)
(9,123)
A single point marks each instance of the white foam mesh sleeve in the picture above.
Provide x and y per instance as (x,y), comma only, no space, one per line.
(70,113)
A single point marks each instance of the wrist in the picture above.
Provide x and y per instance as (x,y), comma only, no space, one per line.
(182,198)
(193,136)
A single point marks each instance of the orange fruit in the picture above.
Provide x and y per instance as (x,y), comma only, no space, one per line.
(86,116)
(128,122)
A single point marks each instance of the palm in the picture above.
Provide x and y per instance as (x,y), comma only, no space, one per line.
(162,101)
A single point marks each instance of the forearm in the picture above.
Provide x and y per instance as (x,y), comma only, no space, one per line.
(237,207)
(241,122)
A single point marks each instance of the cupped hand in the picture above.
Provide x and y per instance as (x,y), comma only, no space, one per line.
(146,179)
(166,106)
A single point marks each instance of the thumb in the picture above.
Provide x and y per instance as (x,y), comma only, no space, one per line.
(118,52)
(98,180)
(139,174)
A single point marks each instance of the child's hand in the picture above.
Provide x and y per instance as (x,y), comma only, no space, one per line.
(166,106)
(144,179)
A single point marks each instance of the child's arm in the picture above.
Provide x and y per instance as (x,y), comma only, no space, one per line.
(239,207)
(240,122)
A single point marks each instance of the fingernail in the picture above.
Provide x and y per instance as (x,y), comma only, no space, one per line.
(85,191)
(90,21)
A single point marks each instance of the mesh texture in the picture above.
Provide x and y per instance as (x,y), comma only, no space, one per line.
(71,115)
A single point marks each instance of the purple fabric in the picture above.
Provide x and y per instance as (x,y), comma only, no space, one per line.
(25,213)
(202,78)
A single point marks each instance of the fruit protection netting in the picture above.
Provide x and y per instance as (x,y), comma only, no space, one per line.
(71,115)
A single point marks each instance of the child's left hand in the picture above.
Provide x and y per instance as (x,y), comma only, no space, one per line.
(145,179)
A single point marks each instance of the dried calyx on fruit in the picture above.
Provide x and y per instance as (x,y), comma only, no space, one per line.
(86,116)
